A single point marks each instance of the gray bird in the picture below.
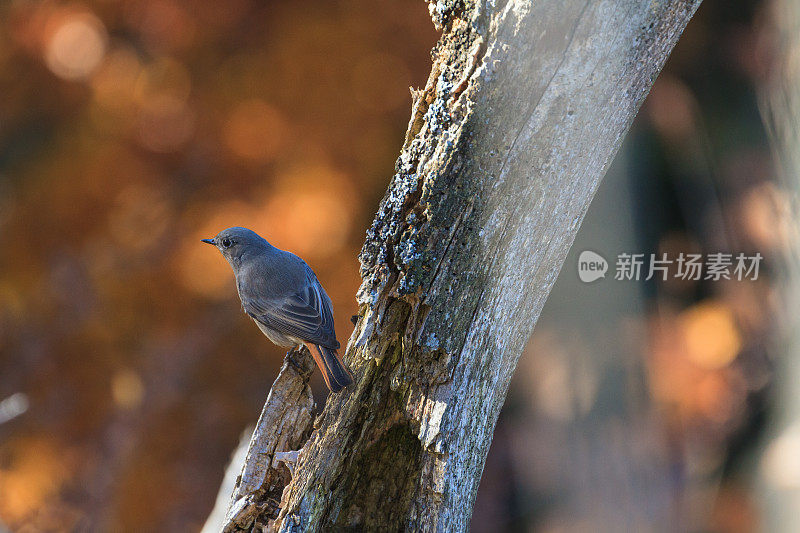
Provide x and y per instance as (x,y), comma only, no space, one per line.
(282,295)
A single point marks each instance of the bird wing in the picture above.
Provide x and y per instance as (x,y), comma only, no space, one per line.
(306,314)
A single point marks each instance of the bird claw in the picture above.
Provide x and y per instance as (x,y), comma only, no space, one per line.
(292,361)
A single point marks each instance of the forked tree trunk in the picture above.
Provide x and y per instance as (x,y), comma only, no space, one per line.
(526,104)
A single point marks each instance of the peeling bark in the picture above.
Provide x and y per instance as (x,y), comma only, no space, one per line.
(525,107)
(284,425)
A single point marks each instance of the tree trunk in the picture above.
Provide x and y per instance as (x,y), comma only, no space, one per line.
(525,107)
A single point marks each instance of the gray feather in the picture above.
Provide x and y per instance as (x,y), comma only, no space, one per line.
(279,291)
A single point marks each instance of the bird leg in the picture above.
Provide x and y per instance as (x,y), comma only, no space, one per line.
(290,357)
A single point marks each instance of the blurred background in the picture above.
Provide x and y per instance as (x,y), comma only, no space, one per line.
(129,130)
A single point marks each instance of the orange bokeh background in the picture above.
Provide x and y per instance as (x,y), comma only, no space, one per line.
(129,130)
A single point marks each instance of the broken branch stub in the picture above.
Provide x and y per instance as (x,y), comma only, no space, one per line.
(284,426)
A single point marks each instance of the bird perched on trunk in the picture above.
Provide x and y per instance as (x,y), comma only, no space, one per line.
(283,296)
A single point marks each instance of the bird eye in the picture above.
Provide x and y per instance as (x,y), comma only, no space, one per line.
(226,243)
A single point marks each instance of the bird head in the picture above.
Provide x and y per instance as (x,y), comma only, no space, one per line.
(236,243)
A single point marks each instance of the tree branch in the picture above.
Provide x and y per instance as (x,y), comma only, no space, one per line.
(284,425)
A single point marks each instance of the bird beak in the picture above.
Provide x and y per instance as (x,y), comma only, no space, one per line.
(209,241)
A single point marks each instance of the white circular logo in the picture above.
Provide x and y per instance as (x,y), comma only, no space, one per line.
(591,266)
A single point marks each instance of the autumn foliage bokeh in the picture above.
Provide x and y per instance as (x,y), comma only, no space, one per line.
(129,130)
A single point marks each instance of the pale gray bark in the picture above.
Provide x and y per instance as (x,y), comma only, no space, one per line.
(525,107)
(218,517)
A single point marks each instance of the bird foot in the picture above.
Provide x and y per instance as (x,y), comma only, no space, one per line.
(292,361)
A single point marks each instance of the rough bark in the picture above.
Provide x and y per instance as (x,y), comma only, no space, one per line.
(525,107)
(284,425)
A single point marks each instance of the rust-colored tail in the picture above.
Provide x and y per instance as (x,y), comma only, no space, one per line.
(336,375)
